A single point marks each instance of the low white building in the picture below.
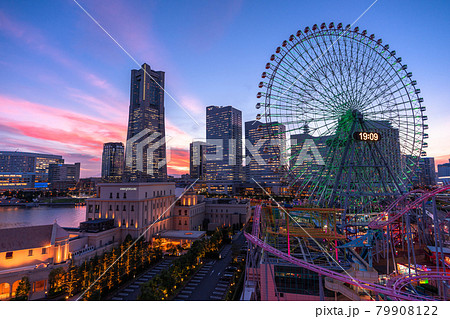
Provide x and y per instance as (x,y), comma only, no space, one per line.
(134,207)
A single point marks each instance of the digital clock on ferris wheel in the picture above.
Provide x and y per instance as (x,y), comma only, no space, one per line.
(367,136)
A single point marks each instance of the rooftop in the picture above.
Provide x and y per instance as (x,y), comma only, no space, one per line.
(182,234)
(20,238)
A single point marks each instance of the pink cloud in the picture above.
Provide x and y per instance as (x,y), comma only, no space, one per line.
(47,129)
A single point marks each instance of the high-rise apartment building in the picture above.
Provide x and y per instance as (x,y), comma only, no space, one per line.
(265,150)
(224,138)
(197,159)
(113,162)
(146,149)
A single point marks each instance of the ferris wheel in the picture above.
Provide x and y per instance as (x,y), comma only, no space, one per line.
(352,113)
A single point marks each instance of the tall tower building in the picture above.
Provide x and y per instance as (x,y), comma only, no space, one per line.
(145,157)
(197,160)
(224,138)
(427,171)
(265,160)
(113,162)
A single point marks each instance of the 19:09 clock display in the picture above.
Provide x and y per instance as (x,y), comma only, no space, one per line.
(367,136)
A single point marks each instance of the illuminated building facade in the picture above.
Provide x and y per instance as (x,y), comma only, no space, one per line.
(224,138)
(197,160)
(134,207)
(146,148)
(32,252)
(189,212)
(113,162)
(21,170)
(267,141)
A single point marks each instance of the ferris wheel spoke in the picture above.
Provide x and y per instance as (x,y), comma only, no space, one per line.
(326,84)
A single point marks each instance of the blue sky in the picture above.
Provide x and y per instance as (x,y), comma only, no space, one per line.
(64,84)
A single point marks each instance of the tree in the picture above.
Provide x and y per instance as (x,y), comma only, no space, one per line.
(23,289)
(72,280)
(56,281)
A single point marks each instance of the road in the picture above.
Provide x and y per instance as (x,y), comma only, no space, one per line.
(132,290)
(207,283)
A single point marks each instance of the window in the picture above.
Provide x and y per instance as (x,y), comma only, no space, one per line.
(9,255)
(110,207)
(164,192)
(132,208)
(179,222)
(124,208)
(123,222)
(44,251)
(117,195)
(185,212)
(185,222)
(124,195)
(179,212)
(110,195)
(117,207)
(90,208)
(132,222)
(30,252)
(145,194)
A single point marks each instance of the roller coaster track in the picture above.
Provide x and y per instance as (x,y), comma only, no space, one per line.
(404,280)
(394,287)
(378,223)
(387,291)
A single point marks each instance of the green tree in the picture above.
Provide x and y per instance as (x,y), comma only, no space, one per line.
(72,280)
(56,280)
(23,289)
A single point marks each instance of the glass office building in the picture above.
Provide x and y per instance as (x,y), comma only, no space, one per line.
(224,138)
(22,170)
(146,149)
(113,162)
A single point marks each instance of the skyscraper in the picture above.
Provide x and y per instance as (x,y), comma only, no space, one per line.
(265,152)
(427,171)
(224,138)
(197,160)
(146,148)
(112,162)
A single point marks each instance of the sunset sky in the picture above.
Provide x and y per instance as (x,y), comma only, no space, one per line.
(64,83)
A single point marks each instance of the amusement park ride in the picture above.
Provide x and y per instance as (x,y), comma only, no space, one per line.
(362,232)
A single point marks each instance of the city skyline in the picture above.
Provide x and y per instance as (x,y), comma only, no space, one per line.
(76,78)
